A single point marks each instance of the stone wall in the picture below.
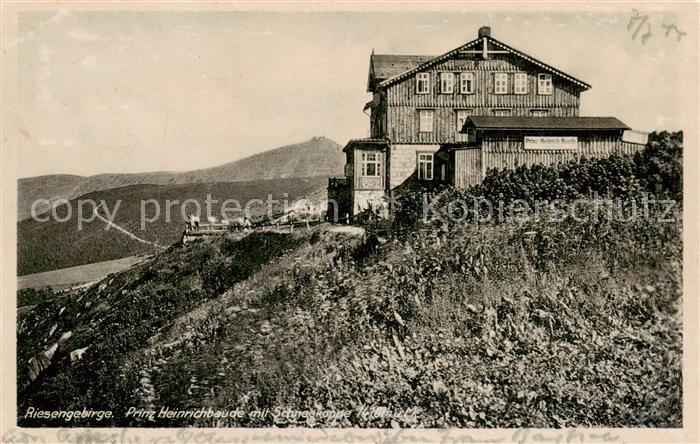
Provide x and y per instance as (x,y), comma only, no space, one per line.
(403,161)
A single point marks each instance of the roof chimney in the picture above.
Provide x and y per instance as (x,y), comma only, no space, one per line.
(485,31)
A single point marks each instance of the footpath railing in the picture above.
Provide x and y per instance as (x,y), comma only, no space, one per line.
(221,228)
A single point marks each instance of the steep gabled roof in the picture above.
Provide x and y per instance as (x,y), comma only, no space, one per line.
(470,45)
(520,123)
(547,67)
(386,66)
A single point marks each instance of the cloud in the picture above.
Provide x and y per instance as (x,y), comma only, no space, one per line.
(44,54)
(89,63)
(59,16)
(84,36)
(32,35)
(608,20)
(43,90)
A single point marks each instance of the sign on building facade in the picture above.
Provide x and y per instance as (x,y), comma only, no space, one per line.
(550,142)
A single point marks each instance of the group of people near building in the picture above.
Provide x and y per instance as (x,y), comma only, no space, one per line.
(194,224)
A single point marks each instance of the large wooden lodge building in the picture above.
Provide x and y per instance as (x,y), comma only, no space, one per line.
(453,117)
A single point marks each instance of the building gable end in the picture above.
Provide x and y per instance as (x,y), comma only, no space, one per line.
(498,46)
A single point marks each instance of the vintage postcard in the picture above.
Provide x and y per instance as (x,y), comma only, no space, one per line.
(357,222)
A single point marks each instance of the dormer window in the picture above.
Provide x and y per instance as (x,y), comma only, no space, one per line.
(423,83)
(500,83)
(544,84)
(447,82)
(466,83)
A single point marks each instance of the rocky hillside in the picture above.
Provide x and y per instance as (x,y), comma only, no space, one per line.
(543,322)
(475,328)
(318,156)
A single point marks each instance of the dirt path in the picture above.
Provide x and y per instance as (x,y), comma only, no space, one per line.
(123,230)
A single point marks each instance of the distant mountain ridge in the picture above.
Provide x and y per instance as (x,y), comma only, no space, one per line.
(316,157)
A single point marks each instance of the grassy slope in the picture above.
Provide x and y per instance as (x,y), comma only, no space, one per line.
(318,156)
(531,324)
(122,313)
(584,340)
(578,325)
(44,246)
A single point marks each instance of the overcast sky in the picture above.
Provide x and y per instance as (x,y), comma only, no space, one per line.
(145,91)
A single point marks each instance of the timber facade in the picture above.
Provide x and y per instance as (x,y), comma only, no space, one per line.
(451,118)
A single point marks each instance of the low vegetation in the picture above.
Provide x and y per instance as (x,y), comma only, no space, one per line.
(656,172)
(119,316)
(533,322)
(32,296)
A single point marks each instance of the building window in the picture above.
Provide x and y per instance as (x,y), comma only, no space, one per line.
(544,84)
(500,83)
(520,83)
(425,120)
(447,82)
(425,166)
(501,112)
(371,164)
(462,116)
(539,112)
(466,83)
(423,83)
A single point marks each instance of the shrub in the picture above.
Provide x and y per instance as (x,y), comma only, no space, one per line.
(660,166)
(32,296)
(657,170)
